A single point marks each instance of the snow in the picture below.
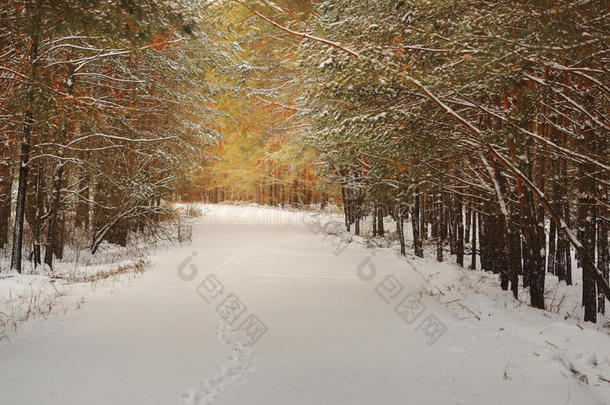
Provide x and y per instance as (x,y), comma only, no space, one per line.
(41,292)
(344,322)
(327,62)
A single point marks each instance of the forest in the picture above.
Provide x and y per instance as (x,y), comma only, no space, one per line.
(480,130)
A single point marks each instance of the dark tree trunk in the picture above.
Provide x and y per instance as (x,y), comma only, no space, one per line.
(37,220)
(511,249)
(444,218)
(542,217)
(527,270)
(559,199)
(587,221)
(460,230)
(586,224)
(6,184)
(567,217)
(533,255)
(82,206)
(323,198)
(438,225)
(493,257)
(23,167)
(423,229)
(374,218)
(552,249)
(54,237)
(536,259)
(525,248)
(451,224)
(501,265)
(415,223)
(55,246)
(400,229)
(514,254)
(483,242)
(21,194)
(602,254)
(560,257)
(473,263)
(468,223)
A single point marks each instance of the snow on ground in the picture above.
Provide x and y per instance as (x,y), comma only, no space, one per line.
(271,306)
(41,292)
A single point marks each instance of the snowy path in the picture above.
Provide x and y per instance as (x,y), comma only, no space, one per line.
(331,338)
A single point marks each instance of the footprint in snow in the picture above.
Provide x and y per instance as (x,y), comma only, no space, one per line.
(233,372)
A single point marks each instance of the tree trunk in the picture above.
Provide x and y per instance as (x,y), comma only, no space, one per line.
(467,227)
(346,213)
(82,207)
(514,253)
(567,217)
(400,230)
(473,261)
(534,270)
(451,224)
(460,230)
(501,241)
(535,252)
(586,224)
(6,184)
(55,244)
(423,229)
(23,167)
(380,216)
(438,202)
(374,217)
(483,242)
(602,254)
(37,220)
(559,198)
(53,231)
(415,223)
(550,268)
(444,218)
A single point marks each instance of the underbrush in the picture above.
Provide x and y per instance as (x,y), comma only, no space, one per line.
(39,291)
(447,279)
(24,297)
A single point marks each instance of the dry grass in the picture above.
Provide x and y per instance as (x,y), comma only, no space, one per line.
(42,303)
(133,268)
(193,210)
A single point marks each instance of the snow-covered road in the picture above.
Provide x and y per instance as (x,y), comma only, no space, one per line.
(325,333)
